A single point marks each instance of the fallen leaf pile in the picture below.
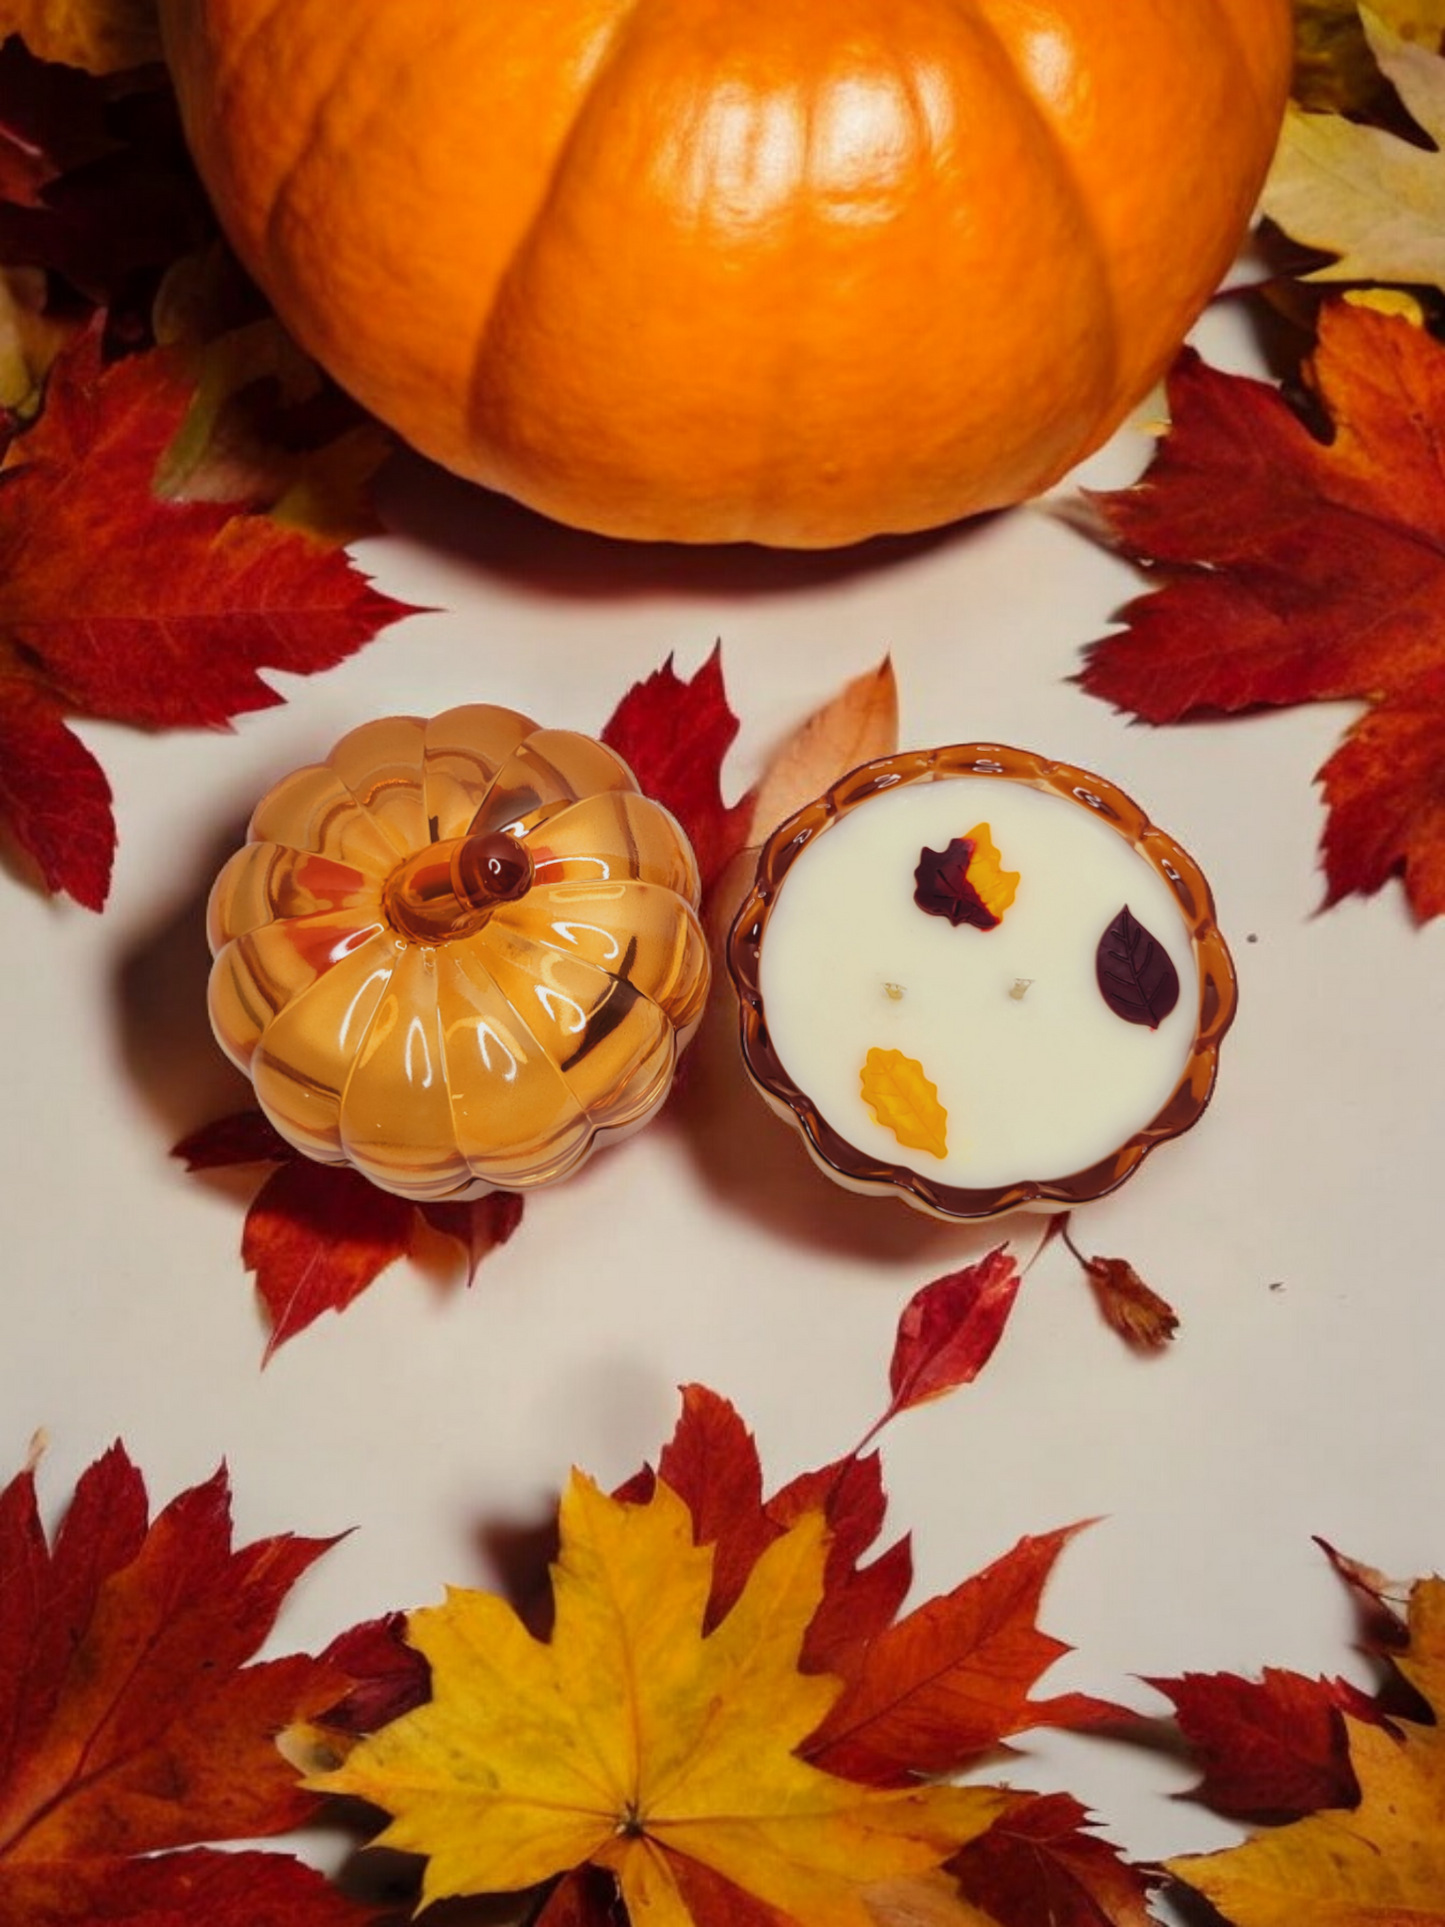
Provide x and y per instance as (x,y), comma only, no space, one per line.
(726,1720)
(1297,537)
(728,1716)
(1367,194)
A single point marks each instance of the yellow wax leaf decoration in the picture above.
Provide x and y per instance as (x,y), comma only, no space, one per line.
(997,886)
(1380,1862)
(630,1741)
(897,1091)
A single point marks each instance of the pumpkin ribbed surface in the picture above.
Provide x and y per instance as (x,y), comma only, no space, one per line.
(791,271)
(442,1058)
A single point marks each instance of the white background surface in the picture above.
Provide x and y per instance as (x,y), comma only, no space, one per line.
(1295,1231)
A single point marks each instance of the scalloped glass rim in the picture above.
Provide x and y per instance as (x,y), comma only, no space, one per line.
(1218,987)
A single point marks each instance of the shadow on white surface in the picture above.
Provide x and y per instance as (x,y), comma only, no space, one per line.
(515,545)
(159,1005)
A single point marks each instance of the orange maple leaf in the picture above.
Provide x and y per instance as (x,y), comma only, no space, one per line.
(1297,569)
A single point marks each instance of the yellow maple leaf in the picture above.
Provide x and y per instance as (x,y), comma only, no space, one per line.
(103,36)
(897,1091)
(628,1739)
(1374,201)
(995,885)
(1373,1865)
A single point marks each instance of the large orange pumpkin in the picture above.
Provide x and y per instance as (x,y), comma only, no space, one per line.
(789,271)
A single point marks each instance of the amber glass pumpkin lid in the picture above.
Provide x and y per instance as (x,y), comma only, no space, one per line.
(459,953)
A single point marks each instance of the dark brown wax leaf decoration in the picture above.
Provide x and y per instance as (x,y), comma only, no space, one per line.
(1136,973)
(943,887)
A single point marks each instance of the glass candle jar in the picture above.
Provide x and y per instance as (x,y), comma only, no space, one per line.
(980,981)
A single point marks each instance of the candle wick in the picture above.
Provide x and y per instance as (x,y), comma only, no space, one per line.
(895,991)
(1020,988)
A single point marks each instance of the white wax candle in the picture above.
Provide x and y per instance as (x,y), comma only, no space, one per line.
(1037,1084)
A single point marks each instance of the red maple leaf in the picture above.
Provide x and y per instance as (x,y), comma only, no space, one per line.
(949,1330)
(134,1721)
(673,735)
(952,1679)
(1274,1748)
(1298,569)
(586,1898)
(924,1694)
(859,1602)
(1039,1862)
(316,1235)
(117,604)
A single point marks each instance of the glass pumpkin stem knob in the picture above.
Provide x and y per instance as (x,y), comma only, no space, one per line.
(450,889)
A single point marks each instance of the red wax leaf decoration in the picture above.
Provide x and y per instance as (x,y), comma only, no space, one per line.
(943,888)
(673,735)
(1297,569)
(131,1719)
(316,1235)
(1273,1748)
(1136,974)
(1038,1862)
(120,605)
(949,1330)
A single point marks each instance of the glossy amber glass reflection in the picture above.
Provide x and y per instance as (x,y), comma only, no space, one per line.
(458,952)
